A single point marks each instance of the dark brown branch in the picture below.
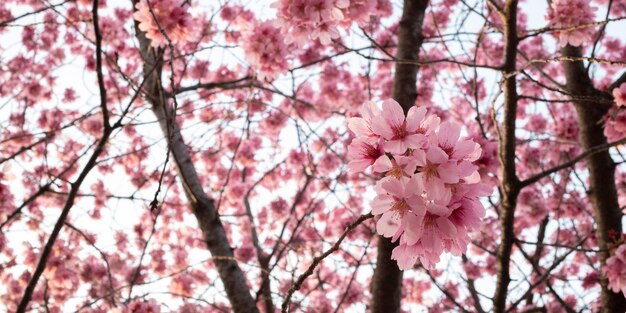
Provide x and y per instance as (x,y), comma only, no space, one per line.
(231,84)
(318,259)
(509,184)
(602,190)
(535,32)
(617,83)
(547,274)
(9,21)
(91,163)
(473,292)
(589,152)
(202,205)
(103,91)
(102,254)
(43,189)
(265,291)
(446,293)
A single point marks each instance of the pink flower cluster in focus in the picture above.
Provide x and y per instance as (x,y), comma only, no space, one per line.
(615,270)
(171,17)
(428,197)
(569,14)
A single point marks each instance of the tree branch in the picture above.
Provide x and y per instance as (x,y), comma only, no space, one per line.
(201,204)
(318,259)
(509,184)
(601,167)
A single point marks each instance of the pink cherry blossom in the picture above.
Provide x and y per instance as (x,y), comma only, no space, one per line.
(363,154)
(399,166)
(265,48)
(619,95)
(170,17)
(437,170)
(428,198)
(569,14)
(306,20)
(362,126)
(285,128)
(400,132)
(615,270)
(401,206)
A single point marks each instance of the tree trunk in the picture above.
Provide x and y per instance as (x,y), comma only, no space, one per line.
(602,190)
(387,280)
(201,204)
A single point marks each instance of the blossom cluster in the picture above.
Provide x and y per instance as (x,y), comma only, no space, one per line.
(568,15)
(428,197)
(304,20)
(264,48)
(615,270)
(619,94)
(615,125)
(168,16)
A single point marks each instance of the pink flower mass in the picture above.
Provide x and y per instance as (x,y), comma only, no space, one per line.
(156,17)
(568,15)
(430,168)
(615,270)
(619,94)
(314,156)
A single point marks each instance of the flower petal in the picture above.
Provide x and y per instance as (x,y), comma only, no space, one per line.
(414,118)
(388,224)
(392,113)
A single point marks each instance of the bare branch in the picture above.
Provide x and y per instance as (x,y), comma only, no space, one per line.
(318,259)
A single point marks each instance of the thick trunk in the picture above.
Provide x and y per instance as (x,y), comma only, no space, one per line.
(201,204)
(387,280)
(602,190)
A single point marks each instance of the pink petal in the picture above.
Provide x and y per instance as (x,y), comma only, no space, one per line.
(369,110)
(431,123)
(415,141)
(388,224)
(448,172)
(446,227)
(420,157)
(394,187)
(392,113)
(382,164)
(448,134)
(437,191)
(413,228)
(381,204)
(430,240)
(439,210)
(473,178)
(359,127)
(417,205)
(463,148)
(405,256)
(414,118)
(414,186)
(396,146)
(380,127)
(435,155)
(357,166)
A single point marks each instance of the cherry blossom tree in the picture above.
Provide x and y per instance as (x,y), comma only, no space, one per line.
(312,156)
